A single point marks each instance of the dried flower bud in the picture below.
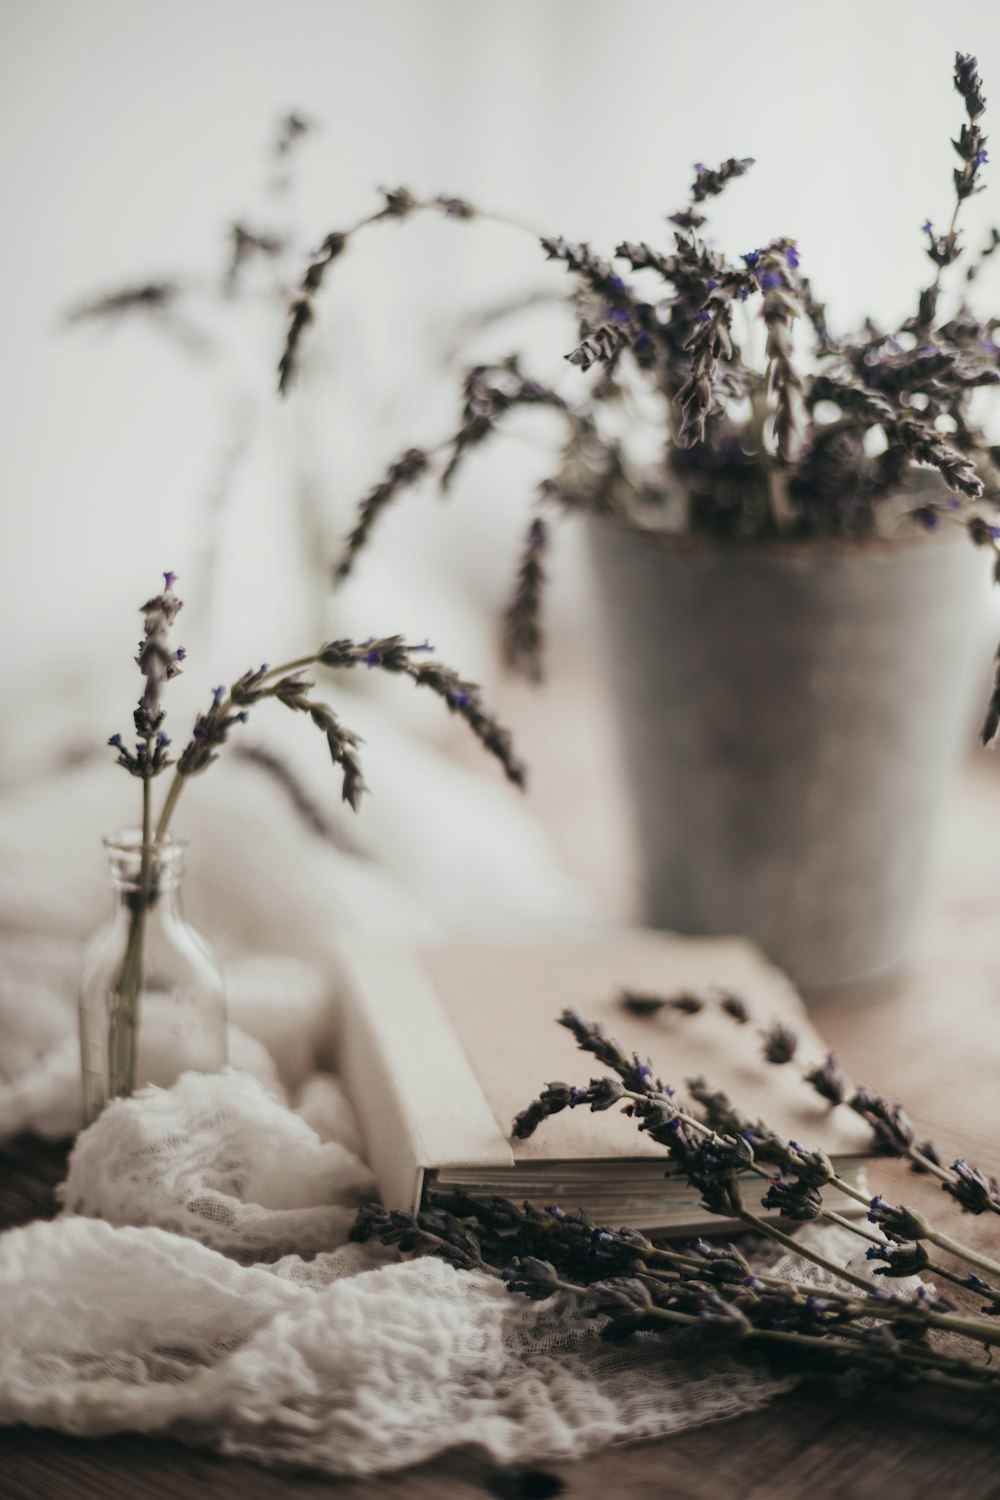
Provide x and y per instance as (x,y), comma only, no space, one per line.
(968,84)
(828,1081)
(797,1200)
(901,1259)
(899,1223)
(533,1278)
(709,183)
(735,1009)
(892,1128)
(780,1044)
(972,1189)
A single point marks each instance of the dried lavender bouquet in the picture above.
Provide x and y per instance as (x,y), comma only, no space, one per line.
(758,438)
(288,685)
(632,1284)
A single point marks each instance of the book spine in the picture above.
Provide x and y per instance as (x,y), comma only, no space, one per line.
(416,1094)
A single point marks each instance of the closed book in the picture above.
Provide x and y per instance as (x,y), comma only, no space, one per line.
(441,1046)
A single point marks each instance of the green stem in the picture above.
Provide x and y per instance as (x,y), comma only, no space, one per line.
(178,780)
(169,803)
(979,1330)
(850,1192)
(936,1237)
(945,1242)
(942,1368)
(762,1226)
(123,1020)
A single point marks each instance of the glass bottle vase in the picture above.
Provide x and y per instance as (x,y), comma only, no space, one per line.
(152,1003)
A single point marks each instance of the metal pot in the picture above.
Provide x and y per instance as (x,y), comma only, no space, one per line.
(791,713)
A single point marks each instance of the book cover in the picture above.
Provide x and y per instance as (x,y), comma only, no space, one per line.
(441,1046)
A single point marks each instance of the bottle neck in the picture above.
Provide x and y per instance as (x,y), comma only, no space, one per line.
(146,876)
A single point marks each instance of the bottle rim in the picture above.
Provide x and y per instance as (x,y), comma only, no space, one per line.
(129,841)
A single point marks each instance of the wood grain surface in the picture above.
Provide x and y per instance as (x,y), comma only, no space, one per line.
(930,1037)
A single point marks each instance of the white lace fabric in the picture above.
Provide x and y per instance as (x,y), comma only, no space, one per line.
(200,1283)
(142,1319)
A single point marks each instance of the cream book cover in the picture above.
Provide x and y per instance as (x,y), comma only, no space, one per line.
(442,1046)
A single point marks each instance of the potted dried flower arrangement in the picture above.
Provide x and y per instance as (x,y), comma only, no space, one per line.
(789,596)
(152,1003)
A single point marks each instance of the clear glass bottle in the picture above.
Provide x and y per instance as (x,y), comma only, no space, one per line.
(152,1003)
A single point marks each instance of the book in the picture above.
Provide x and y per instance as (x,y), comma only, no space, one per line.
(441,1046)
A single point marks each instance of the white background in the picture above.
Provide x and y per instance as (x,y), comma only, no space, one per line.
(132,131)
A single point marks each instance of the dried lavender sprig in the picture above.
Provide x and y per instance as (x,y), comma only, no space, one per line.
(397,203)
(576,1246)
(149,296)
(291,128)
(710,182)
(991,723)
(596,272)
(300,313)
(507,1233)
(780,1042)
(660,1115)
(401,475)
(901,1223)
(919,441)
(394,655)
(713,1156)
(495,1237)
(582,1249)
(522,625)
(894,1134)
(971,145)
(286,684)
(774,268)
(709,344)
(687,1002)
(158,663)
(710,1160)
(490,392)
(212,729)
(815,311)
(245,244)
(944,249)
(926,446)
(601,346)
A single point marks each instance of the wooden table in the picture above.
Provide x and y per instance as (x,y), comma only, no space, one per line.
(931,1037)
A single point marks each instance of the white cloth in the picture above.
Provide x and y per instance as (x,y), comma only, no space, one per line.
(322,1353)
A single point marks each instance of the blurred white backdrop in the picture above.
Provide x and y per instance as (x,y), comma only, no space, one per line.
(132,133)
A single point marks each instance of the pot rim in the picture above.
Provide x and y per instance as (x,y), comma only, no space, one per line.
(687,544)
